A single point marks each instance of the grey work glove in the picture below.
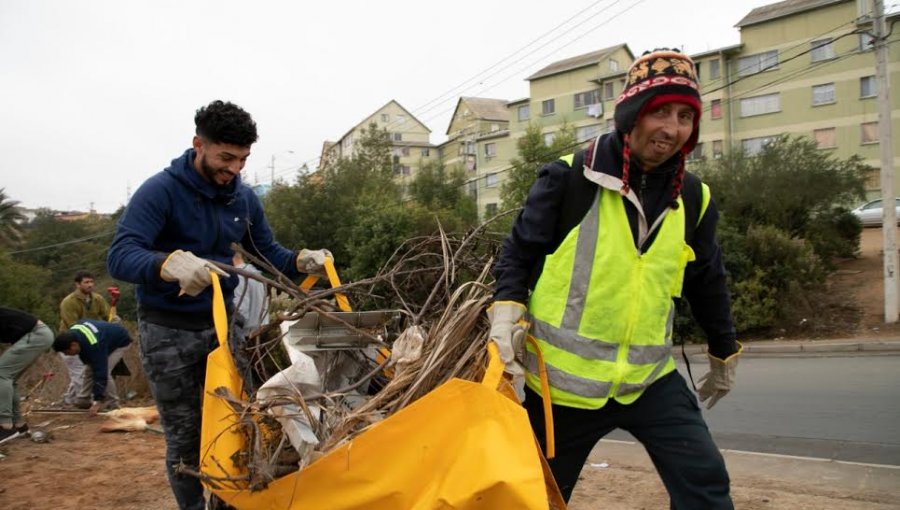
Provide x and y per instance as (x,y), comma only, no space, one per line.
(190,271)
(508,332)
(720,379)
(313,261)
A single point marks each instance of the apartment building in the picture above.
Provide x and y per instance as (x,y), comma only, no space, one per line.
(410,140)
(478,141)
(804,67)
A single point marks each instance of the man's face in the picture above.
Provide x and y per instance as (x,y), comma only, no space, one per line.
(85,286)
(660,133)
(73,349)
(219,163)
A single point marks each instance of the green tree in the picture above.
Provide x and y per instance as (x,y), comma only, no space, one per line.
(23,286)
(10,218)
(794,186)
(443,193)
(533,153)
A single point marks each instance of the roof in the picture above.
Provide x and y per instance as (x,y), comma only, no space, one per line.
(724,49)
(588,59)
(782,9)
(483,108)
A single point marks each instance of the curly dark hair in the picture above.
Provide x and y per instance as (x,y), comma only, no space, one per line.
(225,122)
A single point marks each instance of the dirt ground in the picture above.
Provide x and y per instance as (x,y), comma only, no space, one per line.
(83,468)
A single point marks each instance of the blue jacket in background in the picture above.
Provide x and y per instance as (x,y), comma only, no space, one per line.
(96,355)
(178,209)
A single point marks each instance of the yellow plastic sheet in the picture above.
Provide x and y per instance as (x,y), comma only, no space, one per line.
(462,446)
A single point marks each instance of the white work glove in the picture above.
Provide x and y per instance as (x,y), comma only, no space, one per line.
(720,379)
(508,332)
(190,271)
(313,261)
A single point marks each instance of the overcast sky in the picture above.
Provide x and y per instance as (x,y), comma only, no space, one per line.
(96,96)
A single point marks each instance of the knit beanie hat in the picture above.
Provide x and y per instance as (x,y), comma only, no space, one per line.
(658,77)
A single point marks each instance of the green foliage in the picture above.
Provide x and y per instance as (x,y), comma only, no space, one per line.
(791,185)
(441,194)
(22,287)
(10,218)
(533,153)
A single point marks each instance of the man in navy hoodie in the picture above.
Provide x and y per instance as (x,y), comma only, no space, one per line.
(176,223)
(99,345)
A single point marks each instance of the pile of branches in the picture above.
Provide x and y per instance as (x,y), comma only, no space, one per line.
(440,285)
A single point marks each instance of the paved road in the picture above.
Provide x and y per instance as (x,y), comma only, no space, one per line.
(842,408)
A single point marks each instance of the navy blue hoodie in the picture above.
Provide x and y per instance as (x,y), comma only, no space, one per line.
(109,338)
(178,209)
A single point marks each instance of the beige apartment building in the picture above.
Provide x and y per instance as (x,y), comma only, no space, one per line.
(410,140)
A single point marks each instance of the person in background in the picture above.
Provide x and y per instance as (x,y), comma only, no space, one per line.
(250,296)
(29,338)
(82,303)
(176,225)
(609,237)
(99,345)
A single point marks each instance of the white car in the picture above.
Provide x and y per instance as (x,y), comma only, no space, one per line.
(869,214)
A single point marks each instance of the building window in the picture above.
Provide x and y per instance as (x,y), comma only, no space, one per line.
(714,69)
(405,170)
(495,127)
(823,94)
(760,105)
(404,151)
(825,138)
(400,118)
(866,42)
(717,149)
(715,109)
(490,150)
(585,133)
(385,118)
(426,153)
(472,188)
(868,87)
(822,49)
(548,107)
(753,146)
(869,132)
(548,138)
(470,148)
(608,91)
(613,65)
(490,209)
(398,137)
(697,153)
(524,112)
(583,99)
(490,181)
(752,64)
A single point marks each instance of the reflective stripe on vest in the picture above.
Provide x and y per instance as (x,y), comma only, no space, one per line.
(602,312)
(87,331)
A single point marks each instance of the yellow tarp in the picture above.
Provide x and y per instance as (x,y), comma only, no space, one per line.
(462,446)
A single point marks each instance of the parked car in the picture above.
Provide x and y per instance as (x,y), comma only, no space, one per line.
(869,214)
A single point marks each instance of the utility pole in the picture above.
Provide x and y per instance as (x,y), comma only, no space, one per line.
(889,214)
(272,169)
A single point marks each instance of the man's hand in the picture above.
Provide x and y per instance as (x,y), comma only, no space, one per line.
(190,271)
(313,261)
(508,332)
(720,379)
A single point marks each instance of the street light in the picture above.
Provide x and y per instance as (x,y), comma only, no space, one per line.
(272,165)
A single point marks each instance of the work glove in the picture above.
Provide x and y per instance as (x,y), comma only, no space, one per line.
(190,271)
(508,332)
(720,379)
(313,261)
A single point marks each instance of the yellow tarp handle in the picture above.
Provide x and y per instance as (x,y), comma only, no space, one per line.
(494,372)
(220,316)
(333,279)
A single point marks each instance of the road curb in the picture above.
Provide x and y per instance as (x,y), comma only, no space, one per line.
(811,346)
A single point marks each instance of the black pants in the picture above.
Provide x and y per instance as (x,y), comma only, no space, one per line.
(666,419)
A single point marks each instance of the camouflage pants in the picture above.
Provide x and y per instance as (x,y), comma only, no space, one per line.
(175,363)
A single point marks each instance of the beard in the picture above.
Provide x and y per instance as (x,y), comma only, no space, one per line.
(212,173)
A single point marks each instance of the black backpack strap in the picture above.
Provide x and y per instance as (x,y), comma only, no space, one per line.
(695,197)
